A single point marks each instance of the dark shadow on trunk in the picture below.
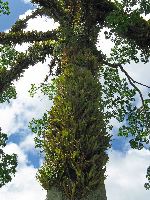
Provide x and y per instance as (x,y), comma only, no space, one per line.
(98,194)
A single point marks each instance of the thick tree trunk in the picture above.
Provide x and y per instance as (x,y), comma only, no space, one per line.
(76,138)
(99,194)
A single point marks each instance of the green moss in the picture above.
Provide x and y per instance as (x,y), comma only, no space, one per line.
(75,140)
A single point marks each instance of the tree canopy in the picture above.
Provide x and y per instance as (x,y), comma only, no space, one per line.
(75,133)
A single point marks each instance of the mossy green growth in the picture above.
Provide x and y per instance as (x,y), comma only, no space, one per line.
(75,139)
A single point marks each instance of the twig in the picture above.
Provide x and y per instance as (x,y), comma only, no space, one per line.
(130,79)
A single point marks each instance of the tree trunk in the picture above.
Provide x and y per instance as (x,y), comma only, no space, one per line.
(98,194)
(76,139)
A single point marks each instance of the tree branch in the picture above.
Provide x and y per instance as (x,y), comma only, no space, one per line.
(22,23)
(137,30)
(54,7)
(35,54)
(130,79)
(30,36)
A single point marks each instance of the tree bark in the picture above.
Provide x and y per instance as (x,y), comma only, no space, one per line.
(98,194)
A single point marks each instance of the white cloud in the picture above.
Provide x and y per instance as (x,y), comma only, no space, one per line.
(39,23)
(24,185)
(26,1)
(21,110)
(103,44)
(126,175)
(14,148)
(28,143)
(42,24)
(16,116)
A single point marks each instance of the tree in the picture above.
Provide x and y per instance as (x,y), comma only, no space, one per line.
(75,134)
(8,163)
(4,8)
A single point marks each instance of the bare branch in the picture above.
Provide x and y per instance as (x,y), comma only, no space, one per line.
(134,81)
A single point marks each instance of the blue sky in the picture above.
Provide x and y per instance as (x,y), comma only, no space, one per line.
(126,169)
(17,7)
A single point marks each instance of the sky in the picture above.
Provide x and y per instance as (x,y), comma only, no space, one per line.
(126,168)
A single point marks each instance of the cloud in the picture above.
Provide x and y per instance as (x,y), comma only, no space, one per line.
(16,116)
(24,185)
(126,175)
(26,1)
(39,23)
(14,148)
(103,44)
(28,143)
(20,112)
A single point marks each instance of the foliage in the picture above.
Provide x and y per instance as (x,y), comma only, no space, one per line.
(46,88)
(147,185)
(4,8)
(9,93)
(118,98)
(144,5)
(73,137)
(8,163)
(73,134)
(8,55)
(119,103)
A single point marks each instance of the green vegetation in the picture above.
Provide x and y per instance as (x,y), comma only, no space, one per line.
(8,163)
(4,8)
(75,134)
